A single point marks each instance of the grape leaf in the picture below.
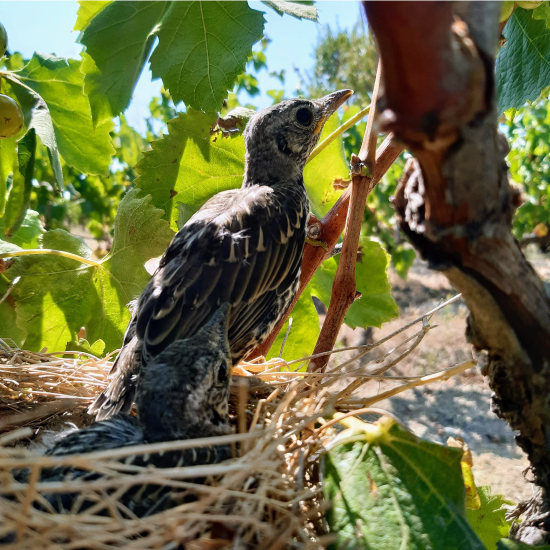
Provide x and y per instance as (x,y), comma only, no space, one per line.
(543,12)
(321,172)
(489,522)
(118,43)
(203,47)
(37,115)
(8,153)
(189,165)
(97,348)
(27,236)
(300,10)
(87,10)
(390,490)
(376,305)
(90,296)
(19,196)
(523,63)
(60,83)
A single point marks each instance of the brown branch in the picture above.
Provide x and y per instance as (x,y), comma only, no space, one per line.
(344,290)
(456,205)
(332,226)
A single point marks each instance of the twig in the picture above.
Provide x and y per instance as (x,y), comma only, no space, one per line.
(343,287)
(338,132)
(13,283)
(443,375)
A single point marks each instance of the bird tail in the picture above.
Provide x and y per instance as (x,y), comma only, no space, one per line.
(123,378)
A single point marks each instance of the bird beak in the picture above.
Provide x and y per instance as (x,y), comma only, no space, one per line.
(329,104)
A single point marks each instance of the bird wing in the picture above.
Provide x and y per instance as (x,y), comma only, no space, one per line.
(120,430)
(240,246)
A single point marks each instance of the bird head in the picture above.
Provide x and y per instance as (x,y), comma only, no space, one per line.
(184,391)
(279,139)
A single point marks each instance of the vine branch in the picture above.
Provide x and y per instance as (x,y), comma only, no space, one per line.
(343,288)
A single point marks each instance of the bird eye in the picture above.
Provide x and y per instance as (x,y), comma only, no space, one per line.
(304,116)
(223,372)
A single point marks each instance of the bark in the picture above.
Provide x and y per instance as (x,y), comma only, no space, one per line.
(455,204)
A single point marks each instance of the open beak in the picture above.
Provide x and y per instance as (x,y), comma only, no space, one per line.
(329,104)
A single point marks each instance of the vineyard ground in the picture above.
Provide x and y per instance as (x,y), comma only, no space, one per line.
(459,406)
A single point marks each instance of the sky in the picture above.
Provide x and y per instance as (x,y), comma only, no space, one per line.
(45,26)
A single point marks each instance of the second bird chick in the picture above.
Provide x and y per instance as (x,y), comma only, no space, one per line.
(183,394)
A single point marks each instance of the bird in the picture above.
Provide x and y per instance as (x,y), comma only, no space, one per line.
(183,394)
(243,246)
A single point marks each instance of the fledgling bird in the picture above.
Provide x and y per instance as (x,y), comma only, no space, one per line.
(183,394)
(244,246)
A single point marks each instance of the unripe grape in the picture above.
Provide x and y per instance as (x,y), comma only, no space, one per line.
(506,10)
(529,5)
(3,40)
(11,117)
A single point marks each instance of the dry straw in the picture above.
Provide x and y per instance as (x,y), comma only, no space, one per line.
(269,496)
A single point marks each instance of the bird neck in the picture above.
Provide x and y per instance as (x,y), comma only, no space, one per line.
(265,166)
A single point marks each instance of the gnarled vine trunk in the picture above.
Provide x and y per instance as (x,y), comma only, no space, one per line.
(455,204)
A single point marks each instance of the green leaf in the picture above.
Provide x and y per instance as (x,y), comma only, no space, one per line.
(27,236)
(300,10)
(303,332)
(203,47)
(390,490)
(543,12)
(321,172)
(8,153)
(97,348)
(129,144)
(37,115)
(60,83)
(189,165)
(19,196)
(58,296)
(376,305)
(489,522)
(118,42)
(523,64)
(507,544)
(87,10)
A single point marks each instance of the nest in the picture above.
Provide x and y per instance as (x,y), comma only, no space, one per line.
(268,496)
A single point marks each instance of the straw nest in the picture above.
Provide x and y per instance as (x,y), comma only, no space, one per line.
(268,496)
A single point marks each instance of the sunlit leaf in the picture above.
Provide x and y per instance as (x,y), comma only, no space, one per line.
(189,165)
(57,296)
(60,83)
(489,522)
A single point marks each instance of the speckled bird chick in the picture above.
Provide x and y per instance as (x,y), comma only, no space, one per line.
(244,246)
(183,394)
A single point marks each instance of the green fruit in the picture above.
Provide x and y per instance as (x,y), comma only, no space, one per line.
(529,5)
(3,40)
(11,117)
(506,11)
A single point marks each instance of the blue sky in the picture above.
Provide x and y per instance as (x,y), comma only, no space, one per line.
(45,26)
